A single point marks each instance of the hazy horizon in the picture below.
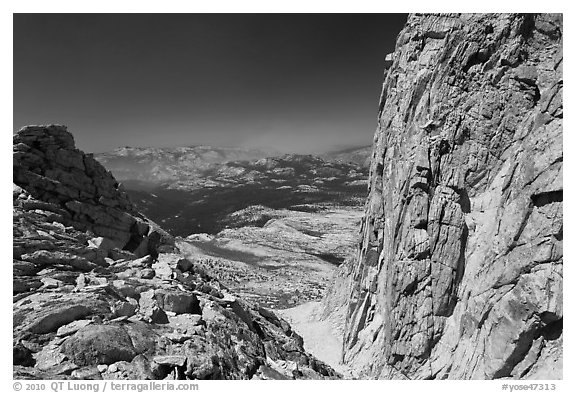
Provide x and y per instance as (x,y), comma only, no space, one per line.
(271,149)
(299,83)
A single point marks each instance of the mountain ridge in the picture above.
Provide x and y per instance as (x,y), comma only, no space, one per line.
(165,165)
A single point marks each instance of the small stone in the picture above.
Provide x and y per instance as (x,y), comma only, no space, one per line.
(90,373)
(228,298)
(125,289)
(119,319)
(65,367)
(147,273)
(128,273)
(196,330)
(50,283)
(170,360)
(72,327)
(185,265)
(178,337)
(80,281)
(102,368)
(144,261)
(124,309)
(101,243)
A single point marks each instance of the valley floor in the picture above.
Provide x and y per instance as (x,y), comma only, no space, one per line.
(288,261)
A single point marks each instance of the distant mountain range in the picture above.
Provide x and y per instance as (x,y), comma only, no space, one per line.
(194,189)
(358,155)
(168,165)
(160,165)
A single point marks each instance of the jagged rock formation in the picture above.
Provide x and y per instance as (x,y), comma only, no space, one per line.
(49,167)
(459,268)
(102,292)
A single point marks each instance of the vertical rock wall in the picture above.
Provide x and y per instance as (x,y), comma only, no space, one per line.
(459,267)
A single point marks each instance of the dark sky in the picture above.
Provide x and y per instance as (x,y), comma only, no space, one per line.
(298,82)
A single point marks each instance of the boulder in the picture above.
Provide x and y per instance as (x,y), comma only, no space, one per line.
(178,302)
(46,312)
(105,344)
(149,308)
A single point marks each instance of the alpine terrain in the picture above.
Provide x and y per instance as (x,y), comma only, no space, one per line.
(436,253)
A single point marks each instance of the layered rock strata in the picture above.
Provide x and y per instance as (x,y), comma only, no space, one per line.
(459,268)
(49,167)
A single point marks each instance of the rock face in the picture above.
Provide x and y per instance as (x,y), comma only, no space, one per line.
(459,267)
(100,292)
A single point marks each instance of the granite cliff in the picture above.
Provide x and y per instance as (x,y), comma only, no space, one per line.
(458,272)
(101,292)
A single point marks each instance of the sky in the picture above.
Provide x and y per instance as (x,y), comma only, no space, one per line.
(300,83)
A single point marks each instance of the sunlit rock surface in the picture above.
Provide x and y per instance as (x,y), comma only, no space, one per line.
(459,268)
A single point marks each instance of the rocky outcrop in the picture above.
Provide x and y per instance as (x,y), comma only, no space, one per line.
(459,267)
(86,196)
(100,292)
